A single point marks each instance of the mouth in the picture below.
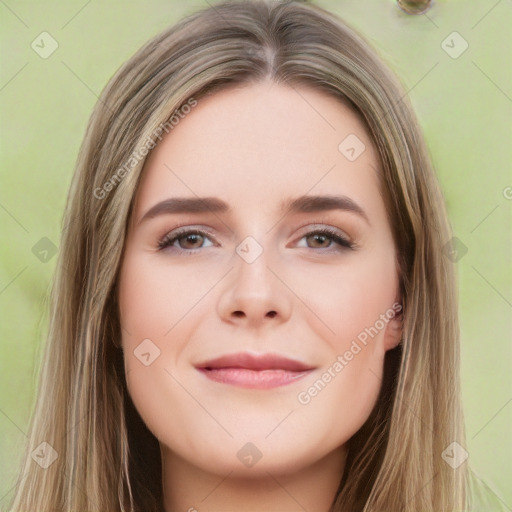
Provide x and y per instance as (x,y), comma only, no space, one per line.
(246,370)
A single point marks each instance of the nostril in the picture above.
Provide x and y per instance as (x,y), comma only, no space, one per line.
(271,314)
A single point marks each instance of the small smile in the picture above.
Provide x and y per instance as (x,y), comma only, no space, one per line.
(246,370)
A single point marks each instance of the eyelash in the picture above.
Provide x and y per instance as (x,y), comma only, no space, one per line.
(168,240)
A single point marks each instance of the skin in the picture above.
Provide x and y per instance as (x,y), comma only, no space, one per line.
(304,297)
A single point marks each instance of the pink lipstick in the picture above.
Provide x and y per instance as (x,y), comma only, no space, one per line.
(254,371)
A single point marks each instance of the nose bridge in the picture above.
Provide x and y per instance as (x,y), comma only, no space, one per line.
(254,293)
(253,262)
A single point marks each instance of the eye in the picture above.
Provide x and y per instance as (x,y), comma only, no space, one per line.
(320,237)
(187,241)
(184,240)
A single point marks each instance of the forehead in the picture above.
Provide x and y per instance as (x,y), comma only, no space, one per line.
(257,143)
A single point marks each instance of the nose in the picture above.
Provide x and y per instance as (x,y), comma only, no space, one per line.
(254,295)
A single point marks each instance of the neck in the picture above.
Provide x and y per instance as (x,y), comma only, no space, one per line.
(188,488)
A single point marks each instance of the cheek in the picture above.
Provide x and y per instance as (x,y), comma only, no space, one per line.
(350,302)
(146,300)
(159,307)
(165,405)
(347,300)
(156,298)
(147,313)
(339,405)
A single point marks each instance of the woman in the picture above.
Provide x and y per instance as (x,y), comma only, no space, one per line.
(261,368)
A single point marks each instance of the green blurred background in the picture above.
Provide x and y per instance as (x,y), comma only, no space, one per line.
(463,97)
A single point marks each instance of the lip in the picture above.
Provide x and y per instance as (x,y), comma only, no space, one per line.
(246,370)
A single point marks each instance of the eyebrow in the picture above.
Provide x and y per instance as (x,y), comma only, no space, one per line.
(303,204)
(306,204)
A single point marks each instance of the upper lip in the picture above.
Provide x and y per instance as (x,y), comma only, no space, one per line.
(255,362)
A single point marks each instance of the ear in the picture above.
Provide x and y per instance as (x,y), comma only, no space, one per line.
(394,328)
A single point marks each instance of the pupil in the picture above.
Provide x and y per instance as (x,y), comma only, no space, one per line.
(320,238)
(192,238)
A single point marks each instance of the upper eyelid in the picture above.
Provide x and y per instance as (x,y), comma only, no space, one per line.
(310,227)
(318,226)
(182,231)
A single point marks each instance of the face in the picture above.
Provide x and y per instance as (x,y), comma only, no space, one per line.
(257,309)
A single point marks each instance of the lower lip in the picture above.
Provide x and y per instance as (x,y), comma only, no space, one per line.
(256,379)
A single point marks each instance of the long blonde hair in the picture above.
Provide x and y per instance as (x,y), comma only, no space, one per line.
(107,460)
